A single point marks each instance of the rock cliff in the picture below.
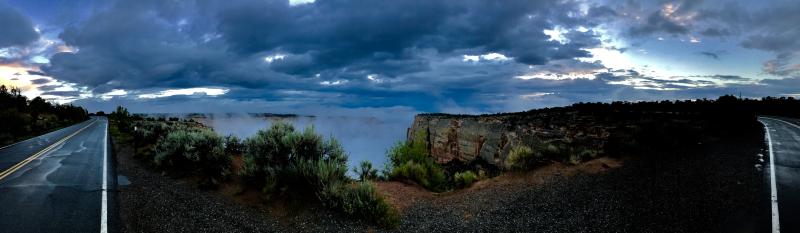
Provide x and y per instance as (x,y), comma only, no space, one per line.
(464,138)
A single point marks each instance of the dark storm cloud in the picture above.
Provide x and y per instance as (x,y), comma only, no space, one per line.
(140,44)
(386,53)
(329,46)
(63,93)
(335,34)
(602,11)
(715,32)
(33,72)
(775,29)
(712,55)
(17,29)
(657,22)
(46,88)
(767,26)
(40,81)
(675,18)
(723,77)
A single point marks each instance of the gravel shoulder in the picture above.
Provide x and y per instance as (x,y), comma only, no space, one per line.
(714,187)
(158,202)
(711,188)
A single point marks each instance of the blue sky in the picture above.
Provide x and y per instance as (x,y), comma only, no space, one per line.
(341,56)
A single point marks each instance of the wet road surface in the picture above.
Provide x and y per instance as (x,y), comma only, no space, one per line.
(783,136)
(57,182)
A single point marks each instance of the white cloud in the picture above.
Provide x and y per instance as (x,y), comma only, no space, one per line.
(555,76)
(564,70)
(535,95)
(300,2)
(185,91)
(472,58)
(112,93)
(485,57)
(494,57)
(274,57)
(333,83)
(557,34)
(374,78)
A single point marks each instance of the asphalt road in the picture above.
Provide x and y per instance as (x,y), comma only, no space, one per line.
(56,182)
(784,138)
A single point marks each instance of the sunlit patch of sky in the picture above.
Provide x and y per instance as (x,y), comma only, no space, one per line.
(208,91)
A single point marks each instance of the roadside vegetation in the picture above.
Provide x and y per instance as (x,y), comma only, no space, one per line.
(281,162)
(21,118)
(584,131)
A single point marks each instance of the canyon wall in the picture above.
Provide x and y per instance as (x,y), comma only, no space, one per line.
(465,139)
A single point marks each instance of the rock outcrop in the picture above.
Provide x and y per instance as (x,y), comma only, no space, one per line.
(490,138)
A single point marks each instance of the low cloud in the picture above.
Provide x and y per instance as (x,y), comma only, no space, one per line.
(712,55)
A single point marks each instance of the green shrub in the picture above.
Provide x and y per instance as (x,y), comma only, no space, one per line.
(577,158)
(233,145)
(303,163)
(208,156)
(170,151)
(122,118)
(361,200)
(589,153)
(428,174)
(293,156)
(412,171)
(411,161)
(312,175)
(415,150)
(201,151)
(365,171)
(523,158)
(465,179)
(266,152)
(551,150)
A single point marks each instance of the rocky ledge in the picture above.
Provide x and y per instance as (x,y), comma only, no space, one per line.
(464,138)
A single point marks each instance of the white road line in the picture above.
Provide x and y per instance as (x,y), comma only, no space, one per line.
(775,222)
(104,210)
(789,123)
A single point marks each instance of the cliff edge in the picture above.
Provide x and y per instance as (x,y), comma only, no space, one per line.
(467,138)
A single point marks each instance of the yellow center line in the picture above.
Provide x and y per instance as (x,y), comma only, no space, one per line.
(22,163)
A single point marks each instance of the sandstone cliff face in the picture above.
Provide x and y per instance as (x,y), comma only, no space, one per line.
(490,138)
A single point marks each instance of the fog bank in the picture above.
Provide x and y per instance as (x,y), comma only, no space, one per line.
(364,137)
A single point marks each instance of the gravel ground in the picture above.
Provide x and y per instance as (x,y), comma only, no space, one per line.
(714,188)
(154,202)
